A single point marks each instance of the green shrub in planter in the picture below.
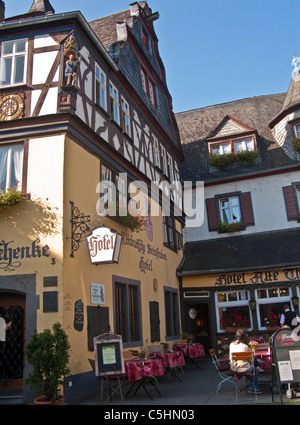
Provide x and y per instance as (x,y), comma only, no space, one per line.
(48,354)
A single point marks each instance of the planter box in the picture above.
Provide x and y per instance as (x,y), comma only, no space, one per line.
(231,329)
(273,328)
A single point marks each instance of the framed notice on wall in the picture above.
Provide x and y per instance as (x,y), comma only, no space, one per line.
(108,350)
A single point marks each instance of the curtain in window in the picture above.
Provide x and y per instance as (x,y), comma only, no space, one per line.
(3,166)
(17,168)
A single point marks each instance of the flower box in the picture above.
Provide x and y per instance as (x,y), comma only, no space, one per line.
(231,329)
(273,328)
(225,160)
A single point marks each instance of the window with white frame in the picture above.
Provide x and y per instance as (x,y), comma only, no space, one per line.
(170,165)
(243,145)
(164,160)
(144,81)
(232,305)
(221,148)
(156,152)
(271,300)
(114,103)
(230,211)
(13,62)
(100,88)
(297,130)
(11,166)
(234,146)
(125,117)
(152,92)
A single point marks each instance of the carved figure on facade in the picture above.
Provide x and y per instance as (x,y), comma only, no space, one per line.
(71,61)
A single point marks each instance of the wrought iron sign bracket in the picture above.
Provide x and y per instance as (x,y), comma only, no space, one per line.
(80,227)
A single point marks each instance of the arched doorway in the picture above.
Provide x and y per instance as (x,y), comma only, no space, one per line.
(12,344)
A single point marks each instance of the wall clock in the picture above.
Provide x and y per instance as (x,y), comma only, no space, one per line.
(11,107)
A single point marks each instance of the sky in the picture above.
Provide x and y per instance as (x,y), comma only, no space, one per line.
(214,51)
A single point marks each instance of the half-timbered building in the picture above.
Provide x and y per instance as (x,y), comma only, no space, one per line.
(84,113)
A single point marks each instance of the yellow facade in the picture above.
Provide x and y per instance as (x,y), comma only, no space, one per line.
(38,233)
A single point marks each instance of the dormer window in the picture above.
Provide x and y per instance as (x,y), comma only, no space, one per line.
(297,130)
(232,146)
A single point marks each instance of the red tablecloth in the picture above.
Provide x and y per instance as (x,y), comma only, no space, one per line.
(265,359)
(170,358)
(137,368)
(192,351)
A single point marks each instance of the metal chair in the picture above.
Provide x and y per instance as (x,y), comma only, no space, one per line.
(237,376)
(222,367)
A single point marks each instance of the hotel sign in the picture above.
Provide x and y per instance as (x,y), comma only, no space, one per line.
(104,245)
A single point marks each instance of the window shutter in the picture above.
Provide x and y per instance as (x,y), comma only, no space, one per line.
(98,323)
(212,214)
(154,321)
(247,209)
(290,203)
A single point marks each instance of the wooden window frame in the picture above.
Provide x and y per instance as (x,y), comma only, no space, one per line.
(14,55)
(172,322)
(292,201)
(101,88)
(128,292)
(125,116)
(213,212)
(114,96)
(231,141)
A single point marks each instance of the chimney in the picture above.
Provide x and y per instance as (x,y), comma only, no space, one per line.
(2,10)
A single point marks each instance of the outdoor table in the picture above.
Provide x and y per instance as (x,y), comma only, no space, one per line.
(140,371)
(171,359)
(191,351)
(265,359)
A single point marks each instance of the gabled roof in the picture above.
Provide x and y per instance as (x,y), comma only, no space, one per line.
(227,127)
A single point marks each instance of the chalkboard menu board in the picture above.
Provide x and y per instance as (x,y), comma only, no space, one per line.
(286,356)
(109,359)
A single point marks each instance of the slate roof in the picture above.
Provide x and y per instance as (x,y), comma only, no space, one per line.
(105,28)
(251,252)
(256,112)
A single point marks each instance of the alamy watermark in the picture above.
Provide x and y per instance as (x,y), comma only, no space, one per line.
(121,199)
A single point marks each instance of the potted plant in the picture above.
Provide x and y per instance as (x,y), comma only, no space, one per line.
(11,196)
(296,144)
(48,354)
(271,321)
(134,222)
(230,227)
(225,160)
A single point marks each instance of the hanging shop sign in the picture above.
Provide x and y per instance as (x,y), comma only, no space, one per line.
(104,245)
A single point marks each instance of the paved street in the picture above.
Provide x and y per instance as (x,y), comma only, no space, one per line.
(198,387)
